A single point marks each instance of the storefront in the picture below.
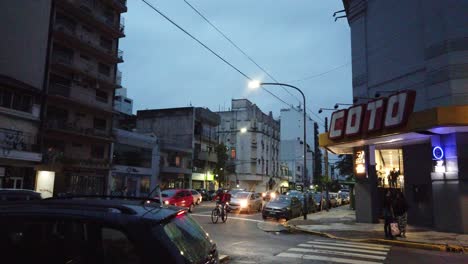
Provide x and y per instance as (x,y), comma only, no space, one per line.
(422,154)
(130,181)
(203,181)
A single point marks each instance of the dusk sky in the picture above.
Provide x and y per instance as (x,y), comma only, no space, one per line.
(291,39)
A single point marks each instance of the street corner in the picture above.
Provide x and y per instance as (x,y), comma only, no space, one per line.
(268,226)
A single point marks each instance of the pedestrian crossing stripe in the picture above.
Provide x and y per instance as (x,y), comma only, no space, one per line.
(354,243)
(337,253)
(349,246)
(345,249)
(324,258)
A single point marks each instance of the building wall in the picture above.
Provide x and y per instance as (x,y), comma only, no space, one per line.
(423,48)
(23,46)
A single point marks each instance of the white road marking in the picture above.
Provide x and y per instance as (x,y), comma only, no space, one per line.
(344,249)
(354,243)
(323,258)
(240,242)
(337,253)
(348,246)
(235,218)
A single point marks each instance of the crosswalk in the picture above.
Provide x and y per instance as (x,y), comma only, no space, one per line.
(336,251)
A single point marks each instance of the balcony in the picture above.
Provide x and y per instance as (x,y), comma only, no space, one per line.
(207,156)
(120,55)
(118,78)
(77,162)
(18,145)
(69,127)
(77,96)
(86,12)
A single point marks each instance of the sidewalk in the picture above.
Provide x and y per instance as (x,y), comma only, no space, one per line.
(340,223)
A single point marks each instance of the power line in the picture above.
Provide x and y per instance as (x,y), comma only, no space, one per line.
(249,58)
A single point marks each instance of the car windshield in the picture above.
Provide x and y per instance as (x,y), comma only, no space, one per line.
(281,199)
(188,236)
(241,195)
(168,193)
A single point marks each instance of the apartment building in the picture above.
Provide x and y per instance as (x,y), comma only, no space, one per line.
(253,141)
(23,52)
(82,78)
(187,137)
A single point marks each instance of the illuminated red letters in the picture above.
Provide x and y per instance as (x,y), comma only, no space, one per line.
(374,116)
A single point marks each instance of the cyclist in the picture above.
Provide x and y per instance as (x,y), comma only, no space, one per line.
(224,198)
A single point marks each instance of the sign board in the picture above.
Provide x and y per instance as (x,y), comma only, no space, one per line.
(382,113)
(360,163)
(45,183)
(438,159)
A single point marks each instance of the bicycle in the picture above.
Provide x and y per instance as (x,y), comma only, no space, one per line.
(219,211)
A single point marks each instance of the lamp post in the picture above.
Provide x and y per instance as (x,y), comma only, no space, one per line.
(256,84)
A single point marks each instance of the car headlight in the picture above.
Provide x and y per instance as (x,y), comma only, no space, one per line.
(263,194)
(166,202)
(243,203)
(273,195)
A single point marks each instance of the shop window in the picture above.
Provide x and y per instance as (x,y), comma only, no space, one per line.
(390,169)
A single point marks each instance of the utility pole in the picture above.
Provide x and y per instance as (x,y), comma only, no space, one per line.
(326,151)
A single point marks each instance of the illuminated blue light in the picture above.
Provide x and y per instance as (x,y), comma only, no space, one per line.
(437,153)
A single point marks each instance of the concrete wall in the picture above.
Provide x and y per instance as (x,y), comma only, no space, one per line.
(417,162)
(418,45)
(23,44)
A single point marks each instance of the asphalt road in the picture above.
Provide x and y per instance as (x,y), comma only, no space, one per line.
(241,239)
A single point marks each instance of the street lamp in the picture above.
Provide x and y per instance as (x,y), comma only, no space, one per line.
(256,84)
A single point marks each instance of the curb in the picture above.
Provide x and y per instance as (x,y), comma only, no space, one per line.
(399,243)
(223,258)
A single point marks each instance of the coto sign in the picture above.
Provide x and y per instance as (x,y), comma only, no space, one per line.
(374,116)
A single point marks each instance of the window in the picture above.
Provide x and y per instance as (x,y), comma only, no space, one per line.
(116,247)
(118,98)
(106,43)
(104,69)
(177,161)
(15,100)
(128,101)
(298,168)
(100,124)
(144,185)
(97,151)
(101,96)
(233,153)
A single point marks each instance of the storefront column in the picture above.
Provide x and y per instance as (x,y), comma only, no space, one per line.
(366,199)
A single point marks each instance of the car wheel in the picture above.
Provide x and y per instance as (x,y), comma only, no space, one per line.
(190,209)
(264,217)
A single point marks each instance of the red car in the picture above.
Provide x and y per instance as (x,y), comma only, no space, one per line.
(178,197)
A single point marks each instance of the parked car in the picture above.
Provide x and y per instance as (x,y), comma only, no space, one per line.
(197,197)
(320,202)
(18,194)
(283,206)
(344,197)
(268,195)
(100,230)
(332,200)
(204,194)
(178,197)
(247,201)
(311,207)
(335,199)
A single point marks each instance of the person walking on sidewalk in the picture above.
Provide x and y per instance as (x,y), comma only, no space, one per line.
(388,214)
(400,209)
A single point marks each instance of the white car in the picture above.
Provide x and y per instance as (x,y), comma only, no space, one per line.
(197,197)
(246,201)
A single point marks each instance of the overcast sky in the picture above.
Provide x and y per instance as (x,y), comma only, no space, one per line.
(291,39)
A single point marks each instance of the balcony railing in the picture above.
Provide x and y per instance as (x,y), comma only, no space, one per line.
(208,156)
(87,99)
(120,55)
(17,140)
(72,127)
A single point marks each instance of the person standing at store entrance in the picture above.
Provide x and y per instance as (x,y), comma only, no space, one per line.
(388,213)
(400,208)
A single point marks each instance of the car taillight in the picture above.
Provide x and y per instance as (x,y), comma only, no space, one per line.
(180,213)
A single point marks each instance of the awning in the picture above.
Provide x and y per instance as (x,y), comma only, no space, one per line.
(421,125)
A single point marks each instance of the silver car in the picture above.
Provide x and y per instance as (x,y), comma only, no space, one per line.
(197,197)
(246,201)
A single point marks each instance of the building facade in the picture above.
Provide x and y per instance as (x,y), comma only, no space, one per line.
(122,103)
(23,53)
(292,148)
(83,58)
(187,137)
(253,142)
(412,57)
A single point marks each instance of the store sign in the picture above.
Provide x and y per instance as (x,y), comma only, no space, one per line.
(438,159)
(360,163)
(374,116)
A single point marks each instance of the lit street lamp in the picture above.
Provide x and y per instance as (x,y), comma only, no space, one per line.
(254,84)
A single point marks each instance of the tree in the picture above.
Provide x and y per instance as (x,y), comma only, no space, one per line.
(220,168)
(345,165)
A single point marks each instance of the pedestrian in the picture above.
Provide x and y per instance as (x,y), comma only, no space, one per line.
(394,174)
(400,209)
(388,214)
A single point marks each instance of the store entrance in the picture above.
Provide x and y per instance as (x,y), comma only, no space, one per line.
(390,169)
